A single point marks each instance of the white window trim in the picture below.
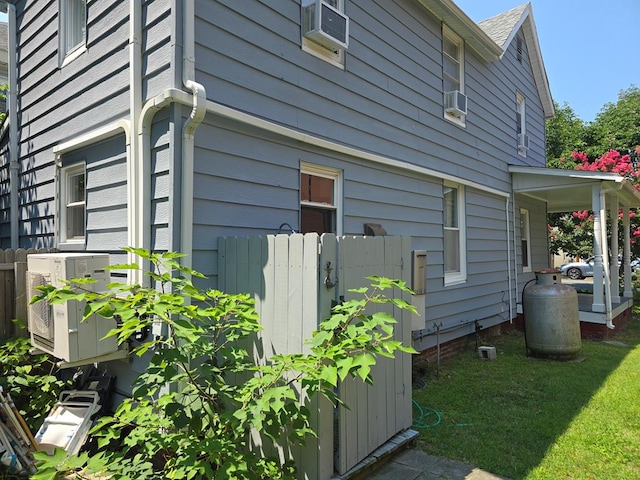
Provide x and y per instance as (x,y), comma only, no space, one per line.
(335,58)
(336,176)
(455,278)
(525,230)
(521,108)
(63,191)
(447,32)
(67,55)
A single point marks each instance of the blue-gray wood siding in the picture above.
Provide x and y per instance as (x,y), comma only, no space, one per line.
(5,192)
(106,195)
(59,103)
(247,183)
(388,98)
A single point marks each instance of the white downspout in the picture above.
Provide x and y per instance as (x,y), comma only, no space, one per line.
(135,204)
(506,209)
(188,141)
(626,227)
(515,248)
(14,164)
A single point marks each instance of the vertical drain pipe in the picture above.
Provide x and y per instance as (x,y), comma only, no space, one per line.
(136,204)
(14,162)
(509,279)
(188,133)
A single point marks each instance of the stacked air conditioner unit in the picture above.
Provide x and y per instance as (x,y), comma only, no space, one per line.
(58,329)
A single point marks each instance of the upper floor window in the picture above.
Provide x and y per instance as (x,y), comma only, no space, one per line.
(73,28)
(320,199)
(455,255)
(525,233)
(325,30)
(72,205)
(455,102)
(521,125)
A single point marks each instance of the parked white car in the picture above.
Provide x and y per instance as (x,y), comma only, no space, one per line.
(580,270)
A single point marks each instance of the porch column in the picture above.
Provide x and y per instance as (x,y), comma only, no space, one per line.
(614,268)
(626,231)
(598,271)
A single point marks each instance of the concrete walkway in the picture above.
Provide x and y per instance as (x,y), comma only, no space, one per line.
(416,465)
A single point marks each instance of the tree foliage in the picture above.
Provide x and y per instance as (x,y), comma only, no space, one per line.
(193,408)
(609,144)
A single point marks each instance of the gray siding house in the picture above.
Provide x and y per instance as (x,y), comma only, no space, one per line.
(167,124)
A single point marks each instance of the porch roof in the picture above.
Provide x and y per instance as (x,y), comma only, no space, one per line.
(571,190)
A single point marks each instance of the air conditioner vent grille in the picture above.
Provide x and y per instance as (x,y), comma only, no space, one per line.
(326,25)
(455,102)
(40,321)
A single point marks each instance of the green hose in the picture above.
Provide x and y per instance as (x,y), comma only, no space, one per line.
(425,415)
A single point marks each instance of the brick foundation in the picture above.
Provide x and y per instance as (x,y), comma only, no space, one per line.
(593,331)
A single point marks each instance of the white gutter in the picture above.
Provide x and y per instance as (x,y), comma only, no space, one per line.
(230,113)
(135,106)
(196,116)
(14,164)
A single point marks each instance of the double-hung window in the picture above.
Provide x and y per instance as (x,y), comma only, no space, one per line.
(455,257)
(455,101)
(319,199)
(72,205)
(73,28)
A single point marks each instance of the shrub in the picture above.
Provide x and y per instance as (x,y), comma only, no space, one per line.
(30,380)
(192,409)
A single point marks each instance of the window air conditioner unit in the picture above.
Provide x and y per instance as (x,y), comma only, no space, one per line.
(455,102)
(523,141)
(325,25)
(59,329)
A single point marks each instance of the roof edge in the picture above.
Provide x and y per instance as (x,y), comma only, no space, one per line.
(448,12)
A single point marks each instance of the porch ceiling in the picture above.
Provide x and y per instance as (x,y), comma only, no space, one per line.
(571,190)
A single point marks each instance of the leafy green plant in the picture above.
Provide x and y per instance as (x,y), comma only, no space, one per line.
(29,379)
(191,411)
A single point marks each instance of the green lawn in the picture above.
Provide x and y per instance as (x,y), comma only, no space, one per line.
(528,418)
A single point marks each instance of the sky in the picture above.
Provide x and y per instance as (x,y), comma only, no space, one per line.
(590,48)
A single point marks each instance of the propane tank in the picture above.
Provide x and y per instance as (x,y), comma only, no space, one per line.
(552,324)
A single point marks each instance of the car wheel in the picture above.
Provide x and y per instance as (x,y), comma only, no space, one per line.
(574,273)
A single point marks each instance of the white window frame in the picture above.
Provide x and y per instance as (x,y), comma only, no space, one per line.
(525,235)
(336,176)
(72,29)
(334,57)
(521,121)
(64,190)
(459,276)
(448,34)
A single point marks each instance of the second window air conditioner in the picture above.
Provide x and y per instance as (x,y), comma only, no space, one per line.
(325,25)
(523,141)
(59,329)
(455,102)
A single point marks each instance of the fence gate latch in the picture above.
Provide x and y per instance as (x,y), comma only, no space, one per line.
(327,279)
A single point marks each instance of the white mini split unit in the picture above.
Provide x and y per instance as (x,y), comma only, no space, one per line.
(325,25)
(59,329)
(455,102)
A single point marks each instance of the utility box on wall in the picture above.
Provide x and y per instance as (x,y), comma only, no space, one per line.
(419,269)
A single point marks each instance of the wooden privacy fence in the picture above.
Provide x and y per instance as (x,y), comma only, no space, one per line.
(13,291)
(294,280)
